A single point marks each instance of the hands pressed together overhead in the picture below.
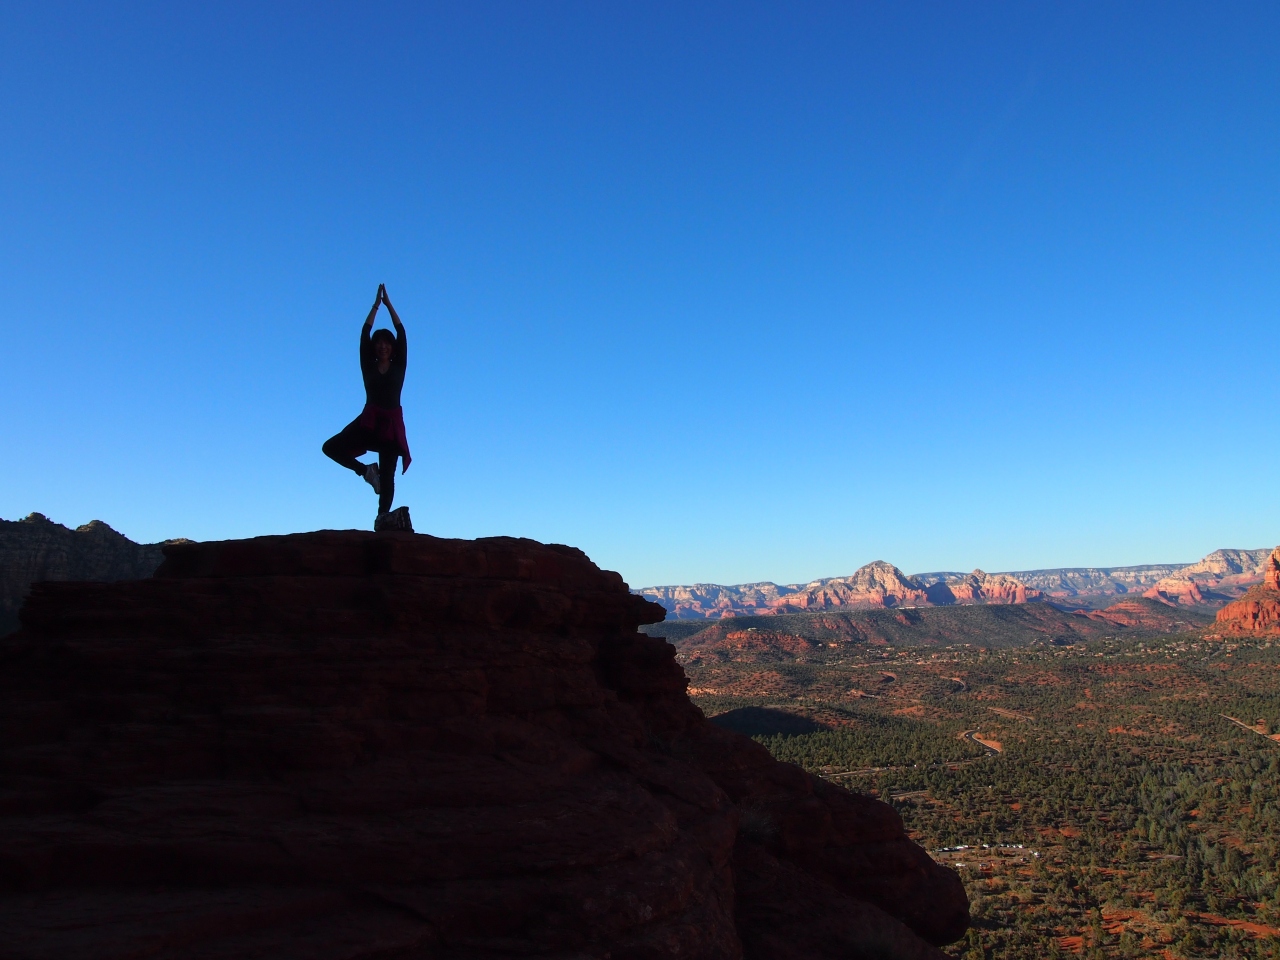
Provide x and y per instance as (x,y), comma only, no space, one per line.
(380,298)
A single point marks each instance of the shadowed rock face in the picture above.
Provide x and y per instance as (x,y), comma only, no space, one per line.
(35,548)
(352,745)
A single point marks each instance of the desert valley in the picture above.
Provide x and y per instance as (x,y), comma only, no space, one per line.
(1106,780)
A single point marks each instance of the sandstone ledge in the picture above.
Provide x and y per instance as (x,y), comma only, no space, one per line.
(345,745)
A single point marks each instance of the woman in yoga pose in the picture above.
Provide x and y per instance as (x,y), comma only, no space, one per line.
(380,426)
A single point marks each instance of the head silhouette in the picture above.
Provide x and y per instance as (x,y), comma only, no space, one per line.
(384,344)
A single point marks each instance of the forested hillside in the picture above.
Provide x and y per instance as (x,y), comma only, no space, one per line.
(1110,798)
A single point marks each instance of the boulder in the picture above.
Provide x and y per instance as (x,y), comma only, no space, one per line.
(397,519)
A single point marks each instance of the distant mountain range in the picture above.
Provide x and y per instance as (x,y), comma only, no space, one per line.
(1220,577)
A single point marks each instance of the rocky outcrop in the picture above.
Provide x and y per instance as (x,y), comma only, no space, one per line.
(349,745)
(877,584)
(1181,591)
(1146,615)
(710,601)
(35,548)
(1219,577)
(1258,611)
(980,587)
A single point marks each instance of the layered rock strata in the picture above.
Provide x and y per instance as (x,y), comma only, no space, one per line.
(349,745)
(1258,611)
(1222,575)
(876,584)
(981,587)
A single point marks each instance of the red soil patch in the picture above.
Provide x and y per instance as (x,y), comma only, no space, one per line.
(1258,930)
(1114,922)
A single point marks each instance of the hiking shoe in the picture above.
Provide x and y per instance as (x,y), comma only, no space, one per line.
(373,477)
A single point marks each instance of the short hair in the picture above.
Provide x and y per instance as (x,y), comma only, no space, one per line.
(382,333)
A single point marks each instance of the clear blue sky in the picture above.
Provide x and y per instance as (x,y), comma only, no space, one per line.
(717,292)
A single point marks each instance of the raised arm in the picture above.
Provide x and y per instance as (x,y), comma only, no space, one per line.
(402,344)
(366,340)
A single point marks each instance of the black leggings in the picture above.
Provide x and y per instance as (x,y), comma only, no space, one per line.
(355,441)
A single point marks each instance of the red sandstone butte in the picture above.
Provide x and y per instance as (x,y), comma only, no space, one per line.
(1258,611)
(982,587)
(344,745)
(876,584)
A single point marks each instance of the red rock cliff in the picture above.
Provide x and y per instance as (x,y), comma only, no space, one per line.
(1258,611)
(876,584)
(981,587)
(345,745)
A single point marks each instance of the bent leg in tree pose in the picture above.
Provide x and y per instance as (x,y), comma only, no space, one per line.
(380,426)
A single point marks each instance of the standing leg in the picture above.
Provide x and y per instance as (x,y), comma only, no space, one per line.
(387,470)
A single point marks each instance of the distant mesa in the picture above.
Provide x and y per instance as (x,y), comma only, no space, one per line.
(1258,611)
(1220,577)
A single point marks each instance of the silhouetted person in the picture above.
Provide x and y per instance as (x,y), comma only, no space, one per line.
(380,426)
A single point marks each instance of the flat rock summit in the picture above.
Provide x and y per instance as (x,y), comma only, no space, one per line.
(342,745)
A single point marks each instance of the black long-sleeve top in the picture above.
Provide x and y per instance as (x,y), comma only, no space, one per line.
(383,389)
